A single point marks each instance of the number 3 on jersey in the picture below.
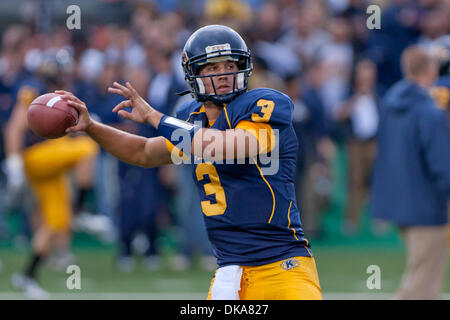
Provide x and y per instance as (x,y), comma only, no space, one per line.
(213,187)
(266,109)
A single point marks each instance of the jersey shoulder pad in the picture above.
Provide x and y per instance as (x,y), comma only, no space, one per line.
(186,109)
(262,105)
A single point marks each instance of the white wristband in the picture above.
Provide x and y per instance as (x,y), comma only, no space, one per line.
(14,170)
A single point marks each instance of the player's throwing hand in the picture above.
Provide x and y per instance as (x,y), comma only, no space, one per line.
(84,120)
(140,111)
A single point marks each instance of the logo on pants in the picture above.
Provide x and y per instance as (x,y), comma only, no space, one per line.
(290,264)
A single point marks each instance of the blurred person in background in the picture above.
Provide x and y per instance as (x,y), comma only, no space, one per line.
(91,60)
(262,77)
(435,24)
(411,185)
(266,39)
(360,111)
(356,14)
(5,102)
(337,58)
(436,40)
(400,28)
(162,49)
(45,165)
(266,24)
(123,47)
(107,172)
(305,37)
(165,81)
(312,175)
(16,41)
(137,213)
(440,90)
(13,49)
(91,216)
(234,13)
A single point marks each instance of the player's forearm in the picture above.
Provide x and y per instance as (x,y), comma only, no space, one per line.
(212,144)
(15,132)
(126,147)
(13,140)
(153,118)
(209,144)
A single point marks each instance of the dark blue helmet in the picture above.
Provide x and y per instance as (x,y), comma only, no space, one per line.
(211,44)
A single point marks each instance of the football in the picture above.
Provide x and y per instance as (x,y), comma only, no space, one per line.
(49,116)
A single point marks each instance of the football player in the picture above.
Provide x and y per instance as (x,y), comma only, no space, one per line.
(45,165)
(251,214)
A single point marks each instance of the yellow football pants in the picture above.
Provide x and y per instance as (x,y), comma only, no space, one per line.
(289,279)
(47,164)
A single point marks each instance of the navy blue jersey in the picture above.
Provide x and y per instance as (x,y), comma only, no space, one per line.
(251,218)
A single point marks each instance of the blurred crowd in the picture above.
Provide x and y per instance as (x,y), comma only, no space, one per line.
(319,52)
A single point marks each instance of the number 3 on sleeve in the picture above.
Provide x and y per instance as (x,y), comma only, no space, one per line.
(266,109)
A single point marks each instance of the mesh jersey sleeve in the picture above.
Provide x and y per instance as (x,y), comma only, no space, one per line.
(263,111)
(271,107)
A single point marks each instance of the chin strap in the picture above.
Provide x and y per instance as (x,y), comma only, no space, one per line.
(183,93)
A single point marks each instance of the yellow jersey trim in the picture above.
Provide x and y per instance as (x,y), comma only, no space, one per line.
(266,141)
(170,147)
(202,109)
(289,219)
(271,191)
(226,115)
(308,251)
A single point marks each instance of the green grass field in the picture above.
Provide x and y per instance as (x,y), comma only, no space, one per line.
(342,263)
(342,274)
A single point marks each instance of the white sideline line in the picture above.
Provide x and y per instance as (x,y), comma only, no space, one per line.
(188,296)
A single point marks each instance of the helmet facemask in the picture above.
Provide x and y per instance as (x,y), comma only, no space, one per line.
(193,65)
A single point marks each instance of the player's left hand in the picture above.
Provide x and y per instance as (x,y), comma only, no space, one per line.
(140,111)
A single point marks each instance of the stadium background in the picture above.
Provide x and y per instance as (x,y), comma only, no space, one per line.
(148,35)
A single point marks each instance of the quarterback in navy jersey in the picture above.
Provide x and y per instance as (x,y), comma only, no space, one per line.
(251,207)
(246,192)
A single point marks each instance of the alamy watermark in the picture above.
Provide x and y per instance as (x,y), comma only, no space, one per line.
(374,19)
(228,147)
(374,280)
(74,20)
(74,280)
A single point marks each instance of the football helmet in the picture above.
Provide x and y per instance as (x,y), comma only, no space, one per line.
(215,43)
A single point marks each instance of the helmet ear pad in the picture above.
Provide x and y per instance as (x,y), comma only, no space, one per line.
(200,86)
